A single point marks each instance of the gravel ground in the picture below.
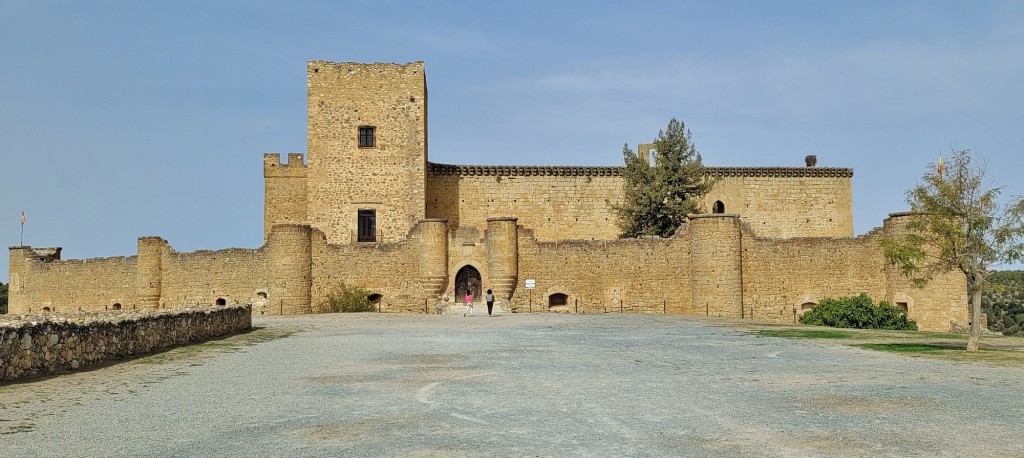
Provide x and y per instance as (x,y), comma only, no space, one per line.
(516,385)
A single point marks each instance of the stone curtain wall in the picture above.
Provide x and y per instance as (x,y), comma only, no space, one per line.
(650,275)
(174,280)
(780,274)
(716,267)
(388,177)
(235,275)
(389,269)
(43,345)
(39,278)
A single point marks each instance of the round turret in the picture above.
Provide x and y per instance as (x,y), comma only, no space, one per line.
(503,255)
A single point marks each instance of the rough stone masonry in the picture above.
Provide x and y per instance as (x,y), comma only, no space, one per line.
(366,207)
(39,345)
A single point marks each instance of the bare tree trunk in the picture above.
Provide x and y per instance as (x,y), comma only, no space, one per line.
(974,336)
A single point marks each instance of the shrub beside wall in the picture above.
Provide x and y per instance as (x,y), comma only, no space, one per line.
(42,345)
(345,299)
(858,312)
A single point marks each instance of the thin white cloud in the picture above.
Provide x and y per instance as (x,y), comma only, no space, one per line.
(890,79)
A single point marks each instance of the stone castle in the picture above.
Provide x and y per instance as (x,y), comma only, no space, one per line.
(368,208)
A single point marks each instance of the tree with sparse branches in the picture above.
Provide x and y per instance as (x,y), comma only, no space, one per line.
(659,195)
(957,223)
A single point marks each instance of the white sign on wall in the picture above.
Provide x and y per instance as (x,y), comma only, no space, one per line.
(531,283)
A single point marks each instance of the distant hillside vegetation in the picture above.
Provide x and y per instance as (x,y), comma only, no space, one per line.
(1003,301)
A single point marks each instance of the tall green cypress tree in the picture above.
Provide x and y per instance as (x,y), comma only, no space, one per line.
(658,196)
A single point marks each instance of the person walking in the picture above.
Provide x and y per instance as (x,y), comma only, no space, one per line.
(469,303)
(489,298)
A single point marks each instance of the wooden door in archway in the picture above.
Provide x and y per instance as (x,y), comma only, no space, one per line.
(467,278)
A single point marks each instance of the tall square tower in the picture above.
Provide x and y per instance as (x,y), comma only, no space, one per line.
(367,150)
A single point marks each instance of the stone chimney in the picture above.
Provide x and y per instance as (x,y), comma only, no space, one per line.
(811,160)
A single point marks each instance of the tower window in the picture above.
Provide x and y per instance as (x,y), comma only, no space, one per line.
(367,226)
(367,137)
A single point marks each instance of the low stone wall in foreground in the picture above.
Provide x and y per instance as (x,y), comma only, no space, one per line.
(34,345)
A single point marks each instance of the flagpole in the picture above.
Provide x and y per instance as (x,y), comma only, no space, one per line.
(22,242)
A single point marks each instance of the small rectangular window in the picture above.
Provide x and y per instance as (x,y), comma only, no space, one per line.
(367,226)
(367,139)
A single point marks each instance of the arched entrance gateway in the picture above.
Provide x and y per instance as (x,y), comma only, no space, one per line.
(467,278)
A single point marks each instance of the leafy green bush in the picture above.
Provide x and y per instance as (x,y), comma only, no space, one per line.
(345,298)
(858,312)
(3,298)
(1002,299)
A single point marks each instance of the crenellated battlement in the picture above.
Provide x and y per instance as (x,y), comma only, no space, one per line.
(436,169)
(295,167)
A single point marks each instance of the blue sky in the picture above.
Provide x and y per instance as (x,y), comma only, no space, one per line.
(121,119)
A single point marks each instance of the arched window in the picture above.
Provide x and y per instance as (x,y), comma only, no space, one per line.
(117,306)
(807,306)
(222,301)
(261,296)
(46,309)
(374,298)
(718,207)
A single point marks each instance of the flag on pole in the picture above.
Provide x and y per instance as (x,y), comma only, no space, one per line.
(23,217)
(939,167)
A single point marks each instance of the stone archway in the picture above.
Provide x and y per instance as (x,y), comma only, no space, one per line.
(558,302)
(467,278)
(807,306)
